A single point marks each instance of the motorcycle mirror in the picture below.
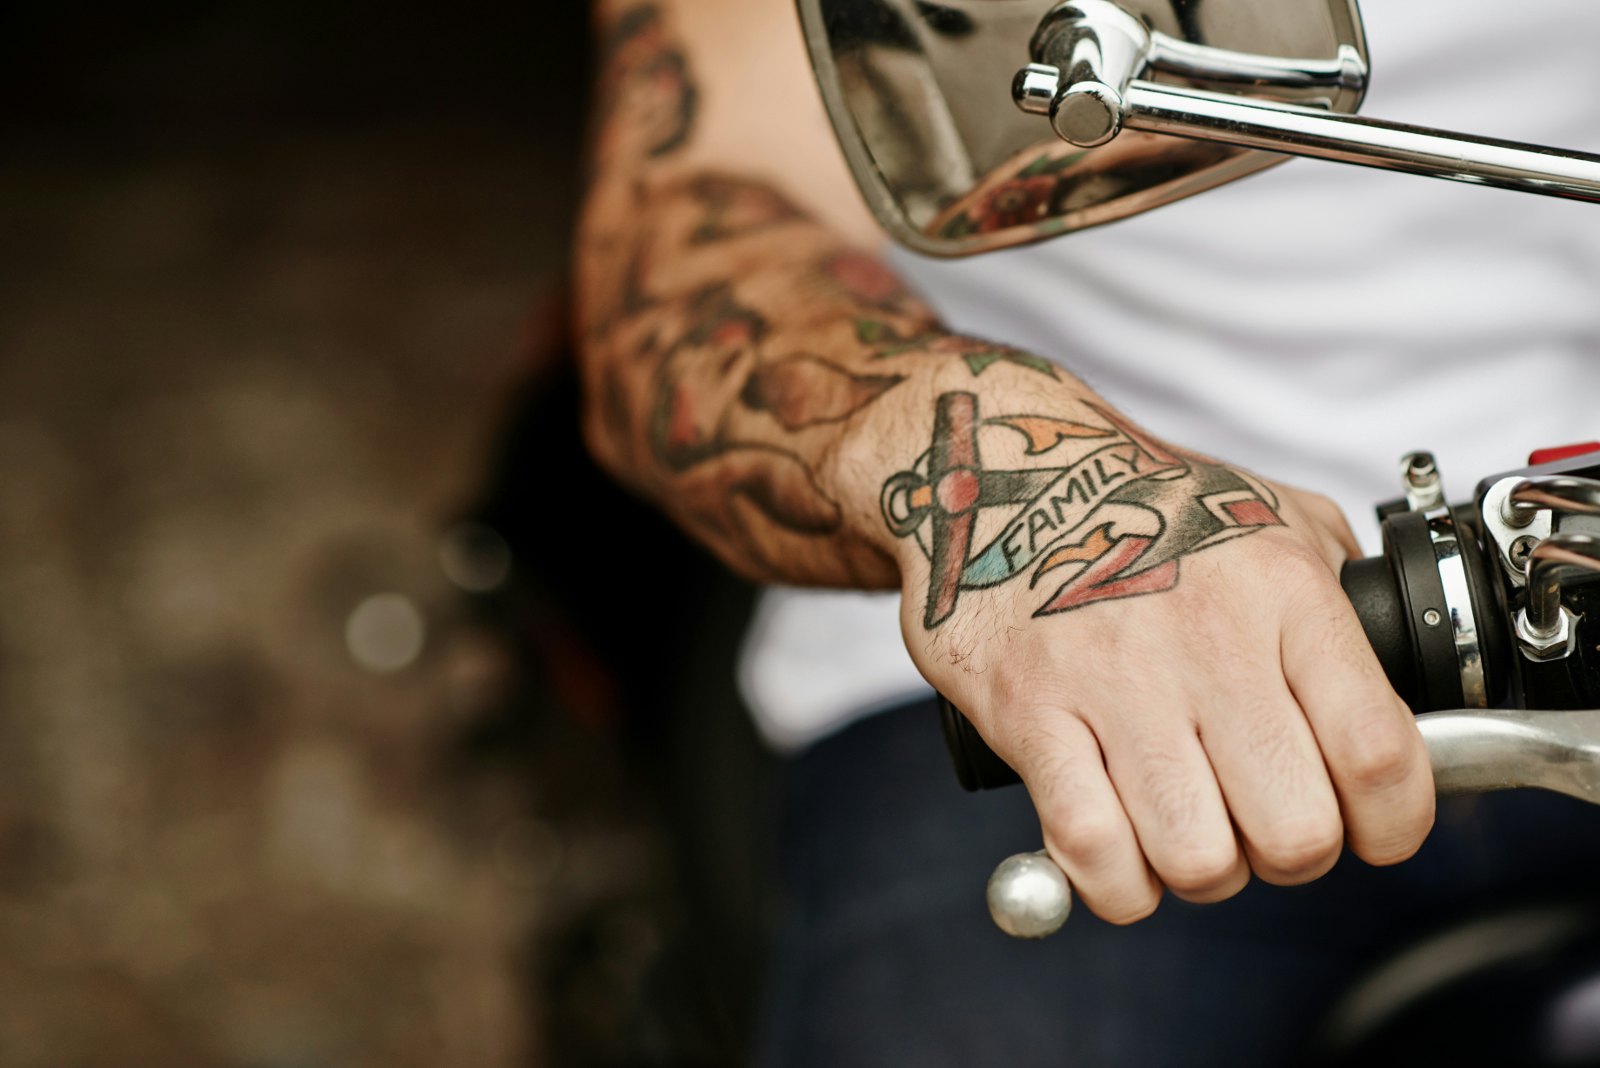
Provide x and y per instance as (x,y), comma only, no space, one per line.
(974,125)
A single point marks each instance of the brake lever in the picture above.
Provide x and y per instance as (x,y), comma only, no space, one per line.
(1472,751)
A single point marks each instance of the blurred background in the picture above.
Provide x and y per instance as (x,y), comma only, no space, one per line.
(313,748)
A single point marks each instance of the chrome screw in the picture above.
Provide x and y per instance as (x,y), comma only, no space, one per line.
(1521,549)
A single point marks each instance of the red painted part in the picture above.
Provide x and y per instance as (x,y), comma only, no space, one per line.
(1561,452)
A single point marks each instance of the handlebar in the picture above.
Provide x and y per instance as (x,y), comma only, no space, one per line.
(1456,594)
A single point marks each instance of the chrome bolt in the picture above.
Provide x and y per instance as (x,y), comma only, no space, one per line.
(1423,485)
(1432,617)
(1557,644)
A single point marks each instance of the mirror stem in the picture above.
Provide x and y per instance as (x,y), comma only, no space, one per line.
(1090,56)
(1303,131)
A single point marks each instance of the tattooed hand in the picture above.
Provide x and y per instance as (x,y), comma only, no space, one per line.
(1158,644)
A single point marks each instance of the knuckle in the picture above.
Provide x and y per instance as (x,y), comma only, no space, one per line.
(1200,870)
(1323,501)
(1129,909)
(1402,843)
(1290,562)
(1088,838)
(1294,848)
(1326,509)
(1381,756)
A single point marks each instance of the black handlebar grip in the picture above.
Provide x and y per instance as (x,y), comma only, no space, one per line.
(1372,588)
(1375,594)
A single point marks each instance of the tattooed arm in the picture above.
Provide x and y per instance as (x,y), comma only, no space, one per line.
(757,372)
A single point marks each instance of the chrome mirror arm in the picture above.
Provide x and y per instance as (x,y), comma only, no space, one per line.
(1304,131)
(1089,56)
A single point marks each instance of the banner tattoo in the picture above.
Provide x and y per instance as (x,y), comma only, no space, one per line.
(1110,516)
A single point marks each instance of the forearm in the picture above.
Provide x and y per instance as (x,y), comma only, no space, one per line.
(748,368)
(760,379)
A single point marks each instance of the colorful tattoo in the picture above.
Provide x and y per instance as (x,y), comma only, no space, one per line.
(978,355)
(1107,513)
(724,363)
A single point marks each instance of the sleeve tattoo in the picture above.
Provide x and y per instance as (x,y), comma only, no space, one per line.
(730,340)
(726,369)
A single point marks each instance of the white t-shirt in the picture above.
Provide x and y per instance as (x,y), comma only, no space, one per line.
(1312,323)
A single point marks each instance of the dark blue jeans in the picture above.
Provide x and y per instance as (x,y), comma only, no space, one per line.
(885,954)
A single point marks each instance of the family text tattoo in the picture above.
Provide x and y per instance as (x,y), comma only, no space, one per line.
(1093,510)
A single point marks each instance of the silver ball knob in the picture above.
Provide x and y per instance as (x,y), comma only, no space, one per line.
(1029,896)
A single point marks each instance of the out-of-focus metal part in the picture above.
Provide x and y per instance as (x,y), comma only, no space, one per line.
(1419,476)
(1477,750)
(1447,553)
(1561,494)
(1503,536)
(1546,630)
(1423,969)
(1481,750)
(1029,896)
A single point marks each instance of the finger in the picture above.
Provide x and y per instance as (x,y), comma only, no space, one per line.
(1170,793)
(1085,828)
(1369,741)
(1274,782)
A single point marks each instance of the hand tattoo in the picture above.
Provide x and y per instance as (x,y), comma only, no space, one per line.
(1108,512)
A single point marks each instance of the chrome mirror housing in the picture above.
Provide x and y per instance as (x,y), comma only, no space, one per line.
(973,125)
